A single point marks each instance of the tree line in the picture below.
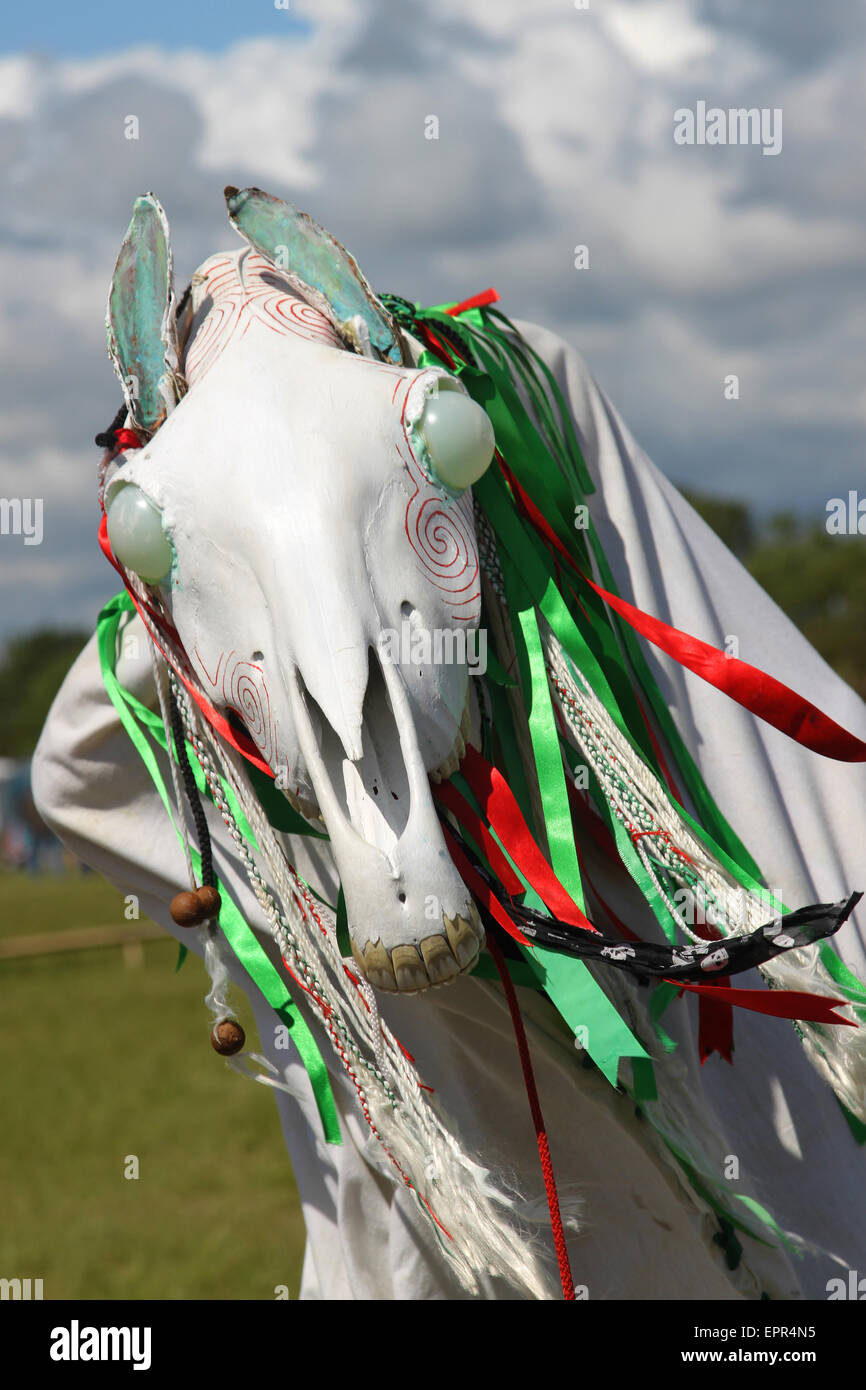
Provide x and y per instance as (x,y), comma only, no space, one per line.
(818,579)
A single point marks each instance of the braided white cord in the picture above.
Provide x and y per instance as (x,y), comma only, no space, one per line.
(635,796)
(290,927)
(193,727)
(414,1137)
(639,801)
(374,1030)
(839,1054)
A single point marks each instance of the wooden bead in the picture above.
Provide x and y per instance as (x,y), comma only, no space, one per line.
(209,899)
(186,910)
(227,1037)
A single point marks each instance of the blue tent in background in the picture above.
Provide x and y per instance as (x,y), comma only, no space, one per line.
(25,840)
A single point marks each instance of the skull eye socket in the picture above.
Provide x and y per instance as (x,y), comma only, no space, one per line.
(459,438)
(136,534)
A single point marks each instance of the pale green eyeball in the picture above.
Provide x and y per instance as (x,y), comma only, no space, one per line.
(459,438)
(136,534)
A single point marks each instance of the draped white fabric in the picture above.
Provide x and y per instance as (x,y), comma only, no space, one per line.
(802,817)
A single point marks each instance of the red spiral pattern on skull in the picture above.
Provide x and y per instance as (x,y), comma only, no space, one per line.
(296,315)
(242,294)
(245,691)
(442,534)
(210,339)
(443,537)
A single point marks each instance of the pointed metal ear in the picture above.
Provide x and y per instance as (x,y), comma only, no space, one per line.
(141,320)
(318,267)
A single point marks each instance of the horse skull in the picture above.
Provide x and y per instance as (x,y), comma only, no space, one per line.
(307,533)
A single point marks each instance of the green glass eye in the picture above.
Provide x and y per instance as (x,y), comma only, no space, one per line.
(136,534)
(459,438)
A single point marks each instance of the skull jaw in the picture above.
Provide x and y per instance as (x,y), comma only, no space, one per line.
(412,921)
(411,928)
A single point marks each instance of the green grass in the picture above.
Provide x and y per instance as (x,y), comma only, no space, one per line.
(103,1060)
(56,902)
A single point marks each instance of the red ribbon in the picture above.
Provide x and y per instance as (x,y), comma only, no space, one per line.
(126,439)
(242,743)
(716,1000)
(716,1025)
(505,816)
(814,730)
(758,692)
(477,301)
(448,796)
(475,883)
(779,1003)
(430,340)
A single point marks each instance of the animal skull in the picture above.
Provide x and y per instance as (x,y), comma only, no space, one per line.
(296,485)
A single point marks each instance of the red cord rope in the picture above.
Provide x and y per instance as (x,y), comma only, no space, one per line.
(537,1120)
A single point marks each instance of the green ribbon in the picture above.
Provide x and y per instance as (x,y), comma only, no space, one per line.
(534,467)
(536,584)
(857,1127)
(586,1009)
(539,587)
(136,718)
(662,996)
(600,644)
(602,647)
(544,737)
(644,1086)
(497,673)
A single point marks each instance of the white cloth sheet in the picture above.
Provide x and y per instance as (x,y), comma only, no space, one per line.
(802,817)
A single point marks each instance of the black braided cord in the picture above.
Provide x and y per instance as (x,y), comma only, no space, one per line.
(406,314)
(107,439)
(192,796)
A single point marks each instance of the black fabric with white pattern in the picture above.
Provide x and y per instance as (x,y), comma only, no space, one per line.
(697,960)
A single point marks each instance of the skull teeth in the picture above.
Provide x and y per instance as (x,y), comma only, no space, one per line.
(440,963)
(308,809)
(452,762)
(408,969)
(375,963)
(458,748)
(462,939)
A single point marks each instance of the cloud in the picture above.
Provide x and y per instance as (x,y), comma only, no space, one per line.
(799,36)
(555,128)
(659,35)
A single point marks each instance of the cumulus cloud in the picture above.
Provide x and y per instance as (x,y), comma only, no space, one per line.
(555,128)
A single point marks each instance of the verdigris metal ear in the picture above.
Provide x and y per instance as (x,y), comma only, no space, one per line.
(318,267)
(141,320)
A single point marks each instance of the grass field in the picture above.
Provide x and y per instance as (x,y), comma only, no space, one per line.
(106,1058)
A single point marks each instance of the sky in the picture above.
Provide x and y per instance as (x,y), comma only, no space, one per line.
(555,130)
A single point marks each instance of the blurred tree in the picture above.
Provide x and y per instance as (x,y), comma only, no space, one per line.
(820,582)
(730,520)
(32,669)
(818,579)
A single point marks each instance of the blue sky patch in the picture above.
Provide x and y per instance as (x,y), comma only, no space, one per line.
(88,28)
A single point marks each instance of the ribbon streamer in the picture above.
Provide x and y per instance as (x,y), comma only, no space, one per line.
(757,691)
(240,937)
